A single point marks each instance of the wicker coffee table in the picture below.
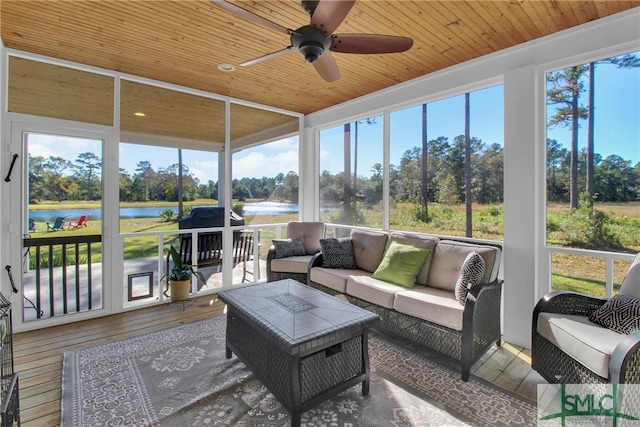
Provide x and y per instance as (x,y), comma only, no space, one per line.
(304,345)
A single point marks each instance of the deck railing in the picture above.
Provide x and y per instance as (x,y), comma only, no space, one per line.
(63,273)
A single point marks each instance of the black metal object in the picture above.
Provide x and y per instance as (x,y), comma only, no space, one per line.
(13,162)
(15,291)
(209,244)
(13,286)
(208,216)
(9,396)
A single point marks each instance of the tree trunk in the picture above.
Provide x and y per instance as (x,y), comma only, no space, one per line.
(180,208)
(89,185)
(574,141)
(346,178)
(424,178)
(354,188)
(590,142)
(467,164)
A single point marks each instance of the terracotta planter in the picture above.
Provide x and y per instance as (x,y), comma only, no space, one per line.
(180,289)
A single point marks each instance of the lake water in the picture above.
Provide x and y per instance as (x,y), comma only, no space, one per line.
(260,208)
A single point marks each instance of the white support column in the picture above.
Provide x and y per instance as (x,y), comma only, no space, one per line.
(386,161)
(227,240)
(112,242)
(309,176)
(523,152)
(221,177)
(5,155)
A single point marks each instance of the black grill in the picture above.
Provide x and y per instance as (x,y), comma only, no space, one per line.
(210,216)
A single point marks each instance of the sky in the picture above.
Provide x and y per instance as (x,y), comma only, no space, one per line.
(617,131)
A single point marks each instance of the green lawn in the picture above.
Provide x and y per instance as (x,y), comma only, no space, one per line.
(582,274)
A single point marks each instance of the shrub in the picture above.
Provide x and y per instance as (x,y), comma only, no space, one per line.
(494,210)
(419,214)
(588,227)
(167,215)
(238,208)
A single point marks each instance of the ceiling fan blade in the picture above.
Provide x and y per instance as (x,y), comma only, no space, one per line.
(249,16)
(370,43)
(329,14)
(327,68)
(267,57)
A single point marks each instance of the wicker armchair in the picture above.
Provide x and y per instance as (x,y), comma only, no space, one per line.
(295,267)
(567,348)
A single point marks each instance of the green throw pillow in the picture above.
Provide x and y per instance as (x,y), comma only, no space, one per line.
(401,264)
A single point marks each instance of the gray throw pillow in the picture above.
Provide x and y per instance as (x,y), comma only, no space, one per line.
(470,275)
(337,253)
(289,247)
(620,314)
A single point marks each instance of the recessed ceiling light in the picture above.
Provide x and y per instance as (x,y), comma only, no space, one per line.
(139,114)
(226,67)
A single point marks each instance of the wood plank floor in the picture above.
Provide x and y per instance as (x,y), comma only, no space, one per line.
(38,355)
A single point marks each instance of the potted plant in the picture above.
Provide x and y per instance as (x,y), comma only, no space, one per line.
(179,277)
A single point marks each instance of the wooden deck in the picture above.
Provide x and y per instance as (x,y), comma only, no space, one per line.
(38,355)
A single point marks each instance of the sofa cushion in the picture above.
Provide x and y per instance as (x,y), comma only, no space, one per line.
(373,290)
(294,264)
(368,248)
(588,343)
(620,314)
(401,264)
(449,257)
(470,275)
(334,278)
(631,283)
(288,247)
(424,242)
(311,233)
(337,253)
(434,305)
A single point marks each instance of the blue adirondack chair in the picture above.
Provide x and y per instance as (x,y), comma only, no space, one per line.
(57,224)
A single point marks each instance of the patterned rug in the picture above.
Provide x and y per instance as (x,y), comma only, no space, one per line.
(180,377)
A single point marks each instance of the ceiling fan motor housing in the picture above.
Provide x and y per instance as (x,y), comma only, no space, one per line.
(311,42)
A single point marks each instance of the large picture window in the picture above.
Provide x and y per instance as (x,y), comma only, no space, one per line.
(593,168)
(351,173)
(446,172)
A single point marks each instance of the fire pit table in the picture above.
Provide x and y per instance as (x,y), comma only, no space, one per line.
(304,345)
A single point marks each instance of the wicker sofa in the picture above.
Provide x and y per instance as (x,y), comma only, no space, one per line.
(427,313)
(568,347)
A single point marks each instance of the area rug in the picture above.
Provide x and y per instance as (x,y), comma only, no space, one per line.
(180,377)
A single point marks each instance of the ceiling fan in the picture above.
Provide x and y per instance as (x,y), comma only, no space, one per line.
(316,40)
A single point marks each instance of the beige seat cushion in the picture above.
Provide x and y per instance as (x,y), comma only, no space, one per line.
(588,343)
(311,233)
(435,305)
(292,264)
(631,282)
(368,248)
(334,278)
(422,242)
(373,290)
(449,257)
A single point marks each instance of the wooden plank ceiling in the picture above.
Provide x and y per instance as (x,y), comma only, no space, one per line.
(183,41)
